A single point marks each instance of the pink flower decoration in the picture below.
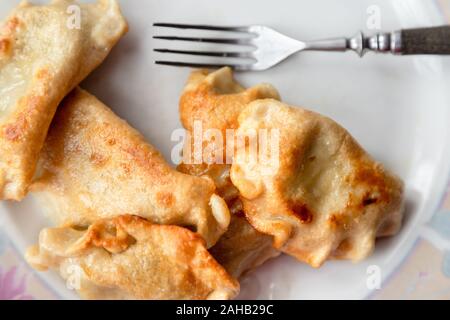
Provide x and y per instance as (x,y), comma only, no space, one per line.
(11,288)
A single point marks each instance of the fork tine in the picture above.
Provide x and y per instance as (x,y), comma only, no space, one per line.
(203,65)
(207,53)
(200,27)
(207,40)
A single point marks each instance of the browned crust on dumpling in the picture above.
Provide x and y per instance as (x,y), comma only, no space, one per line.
(216,99)
(242,248)
(94,165)
(146,261)
(41,60)
(327,199)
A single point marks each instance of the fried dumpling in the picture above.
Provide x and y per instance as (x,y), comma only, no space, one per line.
(44,54)
(326,198)
(215,100)
(129,258)
(94,165)
(242,249)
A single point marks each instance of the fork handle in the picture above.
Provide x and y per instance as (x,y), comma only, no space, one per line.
(434,40)
(426,40)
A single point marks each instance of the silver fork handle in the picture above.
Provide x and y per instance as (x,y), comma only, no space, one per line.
(435,40)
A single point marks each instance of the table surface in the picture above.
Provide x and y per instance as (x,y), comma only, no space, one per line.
(424,274)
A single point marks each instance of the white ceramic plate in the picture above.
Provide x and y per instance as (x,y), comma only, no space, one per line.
(397,107)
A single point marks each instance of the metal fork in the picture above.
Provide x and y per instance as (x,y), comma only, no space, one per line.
(269,47)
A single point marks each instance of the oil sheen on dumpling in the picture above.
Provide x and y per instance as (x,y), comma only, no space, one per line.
(94,165)
(327,198)
(45,51)
(129,258)
(215,100)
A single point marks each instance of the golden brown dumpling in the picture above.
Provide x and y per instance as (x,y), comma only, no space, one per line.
(326,198)
(215,100)
(42,58)
(242,249)
(129,258)
(94,165)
